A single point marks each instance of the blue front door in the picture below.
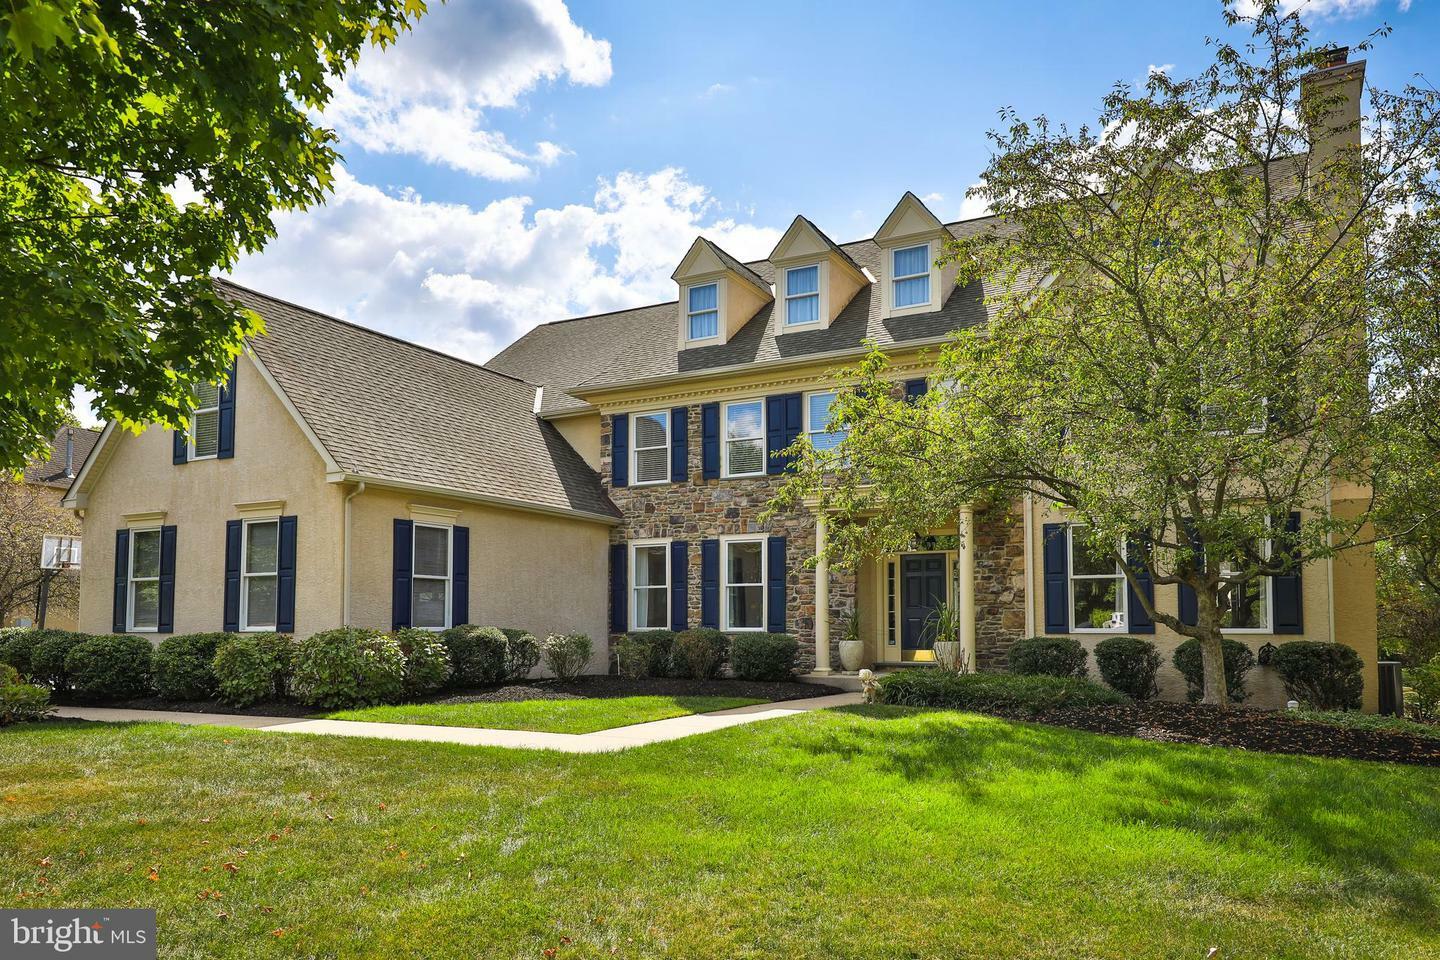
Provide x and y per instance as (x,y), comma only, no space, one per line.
(922,589)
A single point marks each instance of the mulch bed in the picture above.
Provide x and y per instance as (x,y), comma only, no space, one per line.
(1266,731)
(599,687)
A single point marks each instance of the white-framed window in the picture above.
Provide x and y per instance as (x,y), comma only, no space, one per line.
(204,433)
(703,315)
(802,295)
(742,565)
(1249,607)
(430,579)
(1097,588)
(817,420)
(650,585)
(260,575)
(910,276)
(744,450)
(650,447)
(144,600)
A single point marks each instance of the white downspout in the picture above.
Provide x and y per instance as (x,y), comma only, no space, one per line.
(1330,561)
(345,535)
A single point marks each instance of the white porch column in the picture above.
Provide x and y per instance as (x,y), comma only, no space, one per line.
(822,597)
(966,575)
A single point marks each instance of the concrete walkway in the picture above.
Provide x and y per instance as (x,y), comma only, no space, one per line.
(601,741)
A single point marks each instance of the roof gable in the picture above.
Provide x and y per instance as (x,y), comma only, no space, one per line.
(910,218)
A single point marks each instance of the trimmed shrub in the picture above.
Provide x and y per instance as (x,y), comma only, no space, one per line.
(698,654)
(763,656)
(1129,665)
(8,675)
(632,656)
(47,657)
(995,692)
(184,666)
(1049,657)
(1238,660)
(567,655)
(349,667)
(23,703)
(477,655)
(1324,675)
(251,667)
(110,667)
(522,652)
(16,643)
(661,643)
(427,661)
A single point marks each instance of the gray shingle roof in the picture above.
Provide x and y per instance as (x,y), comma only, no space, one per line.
(51,472)
(390,410)
(639,344)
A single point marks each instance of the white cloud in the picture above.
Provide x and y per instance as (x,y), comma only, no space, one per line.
(932,198)
(717,90)
(428,93)
(470,280)
(1153,69)
(972,206)
(1319,9)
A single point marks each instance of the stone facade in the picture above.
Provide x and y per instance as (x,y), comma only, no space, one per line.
(707,509)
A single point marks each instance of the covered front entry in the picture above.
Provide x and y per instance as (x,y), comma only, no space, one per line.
(923,589)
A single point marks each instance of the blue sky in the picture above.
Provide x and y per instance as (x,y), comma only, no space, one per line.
(513,162)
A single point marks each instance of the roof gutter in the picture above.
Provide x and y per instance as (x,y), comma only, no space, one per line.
(507,503)
(581,391)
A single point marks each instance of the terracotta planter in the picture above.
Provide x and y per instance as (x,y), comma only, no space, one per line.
(852,655)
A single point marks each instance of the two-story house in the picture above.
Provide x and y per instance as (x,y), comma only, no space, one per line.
(607,474)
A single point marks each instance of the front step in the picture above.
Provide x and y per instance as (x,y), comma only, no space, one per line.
(850,681)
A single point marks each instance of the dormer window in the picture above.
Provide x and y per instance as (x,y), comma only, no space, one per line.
(704,313)
(802,295)
(911,275)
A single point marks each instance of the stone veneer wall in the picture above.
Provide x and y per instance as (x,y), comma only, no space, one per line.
(708,509)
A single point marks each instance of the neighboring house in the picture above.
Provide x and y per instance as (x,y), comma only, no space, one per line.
(341,476)
(47,480)
(607,474)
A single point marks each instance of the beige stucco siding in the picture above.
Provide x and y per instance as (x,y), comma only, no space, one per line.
(1354,588)
(545,574)
(582,432)
(273,461)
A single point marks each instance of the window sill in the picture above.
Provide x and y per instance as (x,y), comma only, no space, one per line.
(742,630)
(703,342)
(650,483)
(143,630)
(1099,629)
(1252,631)
(742,476)
(197,459)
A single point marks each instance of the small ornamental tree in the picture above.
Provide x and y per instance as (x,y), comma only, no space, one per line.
(1179,354)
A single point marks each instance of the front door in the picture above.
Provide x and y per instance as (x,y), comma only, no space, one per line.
(922,589)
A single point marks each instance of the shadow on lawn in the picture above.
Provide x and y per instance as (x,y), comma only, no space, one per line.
(1361,819)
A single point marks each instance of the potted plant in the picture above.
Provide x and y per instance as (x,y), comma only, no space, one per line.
(852,648)
(945,622)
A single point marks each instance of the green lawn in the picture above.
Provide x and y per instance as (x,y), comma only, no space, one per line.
(868,832)
(584,715)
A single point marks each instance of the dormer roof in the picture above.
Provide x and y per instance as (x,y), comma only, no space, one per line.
(910,218)
(706,257)
(802,228)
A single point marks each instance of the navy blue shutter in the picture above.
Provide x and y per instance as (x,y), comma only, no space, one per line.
(619,607)
(1189,606)
(226,447)
(1137,548)
(1286,588)
(402,564)
(915,389)
(679,585)
(165,621)
(680,444)
(1056,566)
(710,584)
(122,580)
(459,575)
(775,574)
(710,441)
(180,447)
(783,423)
(620,450)
(234,533)
(285,578)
